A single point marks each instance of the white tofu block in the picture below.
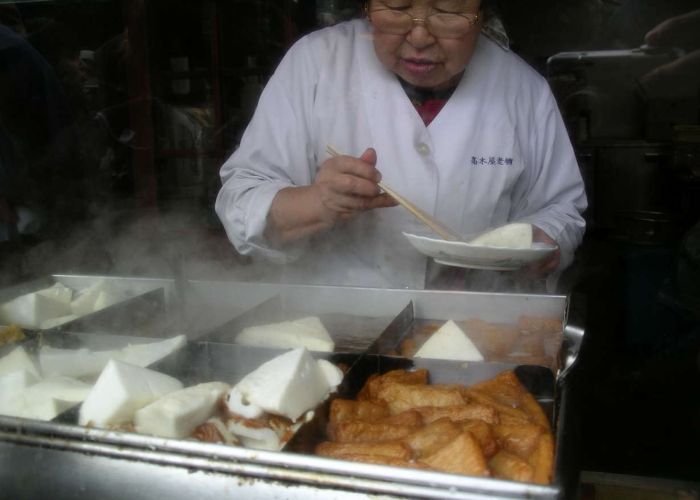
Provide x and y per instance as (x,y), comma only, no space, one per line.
(517,235)
(449,342)
(105,299)
(54,322)
(178,413)
(120,390)
(147,354)
(26,406)
(16,360)
(31,309)
(14,383)
(60,388)
(58,292)
(306,332)
(84,302)
(81,363)
(76,363)
(288,385)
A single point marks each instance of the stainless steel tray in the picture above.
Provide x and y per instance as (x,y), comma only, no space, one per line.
(267,473)
(143,301)
(156,464)
(351,331)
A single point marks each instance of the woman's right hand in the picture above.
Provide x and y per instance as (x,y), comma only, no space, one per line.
(344,187)
(347,186)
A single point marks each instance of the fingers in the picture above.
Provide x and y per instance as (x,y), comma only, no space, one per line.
(678,78)
(676,31)
(348,185)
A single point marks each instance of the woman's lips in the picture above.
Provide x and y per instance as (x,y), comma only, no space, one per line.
(418,66)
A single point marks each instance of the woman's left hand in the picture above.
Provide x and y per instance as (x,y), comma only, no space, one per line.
(543,267)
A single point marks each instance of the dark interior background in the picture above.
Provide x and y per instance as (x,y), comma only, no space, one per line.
(141,102)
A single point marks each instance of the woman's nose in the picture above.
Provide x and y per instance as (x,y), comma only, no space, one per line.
(420,36)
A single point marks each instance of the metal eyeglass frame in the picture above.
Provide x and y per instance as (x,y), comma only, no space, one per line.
(472,18)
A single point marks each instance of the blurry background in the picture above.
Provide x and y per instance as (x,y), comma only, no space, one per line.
(115,117)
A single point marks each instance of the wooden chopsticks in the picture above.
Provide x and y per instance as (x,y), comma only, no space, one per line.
(438,227)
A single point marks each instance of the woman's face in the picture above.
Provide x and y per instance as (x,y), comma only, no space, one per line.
(419,57)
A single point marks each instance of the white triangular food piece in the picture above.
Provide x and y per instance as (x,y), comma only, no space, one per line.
(60,388)
(147,354)
(31,309)
(449,342)
(18,359)
(288,385)
(517,235)
(104,300)
(14,383)
(86,363)
(306,332)
(26,406)
(54,322)
(74,362)
(120,390)
(178,413)
(58,292)
(85,301)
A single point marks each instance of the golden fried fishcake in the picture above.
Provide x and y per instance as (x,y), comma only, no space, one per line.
(483,434)
(459,413)
(376,382)
(401,397)
(462,455)
(432,437)
(521,439)
(366,432)
(505,465)
(344,410)
(542,459)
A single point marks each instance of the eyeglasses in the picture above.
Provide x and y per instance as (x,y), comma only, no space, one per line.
(439,24)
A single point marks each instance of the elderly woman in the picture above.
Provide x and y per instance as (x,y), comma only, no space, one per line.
(416,95)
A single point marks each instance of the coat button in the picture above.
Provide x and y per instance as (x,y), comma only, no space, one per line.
(422,149)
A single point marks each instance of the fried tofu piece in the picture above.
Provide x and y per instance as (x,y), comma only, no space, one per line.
(483,434)
(376,382)
(344,410)
(521,439)
(396,450)
(460,413)
(401,397)
(533,408)
(408,417)
(508,395)
(462,455)
(432,437)
(367,432)
(382,460)
(542,459)
(505,465)
(503,412)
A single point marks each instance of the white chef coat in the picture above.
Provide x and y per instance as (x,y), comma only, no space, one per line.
(497,152)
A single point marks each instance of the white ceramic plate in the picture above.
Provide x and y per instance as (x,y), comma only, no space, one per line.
(460,254)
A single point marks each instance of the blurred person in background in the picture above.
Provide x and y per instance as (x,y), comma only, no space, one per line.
(682,76)
(39,142)
(426,96)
